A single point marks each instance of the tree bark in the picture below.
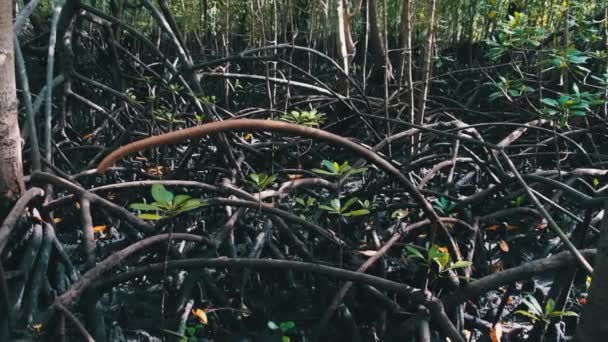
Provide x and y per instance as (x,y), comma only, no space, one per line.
(427,66)
(593,326)
(406,63)
(376,42)
(11,168)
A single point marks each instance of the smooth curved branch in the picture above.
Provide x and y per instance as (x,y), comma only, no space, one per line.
(277,126)
(13,216)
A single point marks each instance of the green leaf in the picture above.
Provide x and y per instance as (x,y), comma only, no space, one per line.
(190,205)
(286,326)
(533,305)
(461,264)
(549,306)
(441,258)
(596,182)
(330,166)
(190,331)
(255,178)
(323,172)
(328,208)
(527,314)
(143,206)
(150,217)
(335,203)
(358,212)
(348,203)
(272,325)
(285,339)
(413,252)
(179,199)
(160,194)
(562,313)
(550,102)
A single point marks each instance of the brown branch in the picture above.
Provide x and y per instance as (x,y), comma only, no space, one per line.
(526,271)
(13,216)
(268,125)
(416,295)
(70,297)
(120,212)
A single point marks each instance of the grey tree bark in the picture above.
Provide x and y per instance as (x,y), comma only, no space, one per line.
(11,168)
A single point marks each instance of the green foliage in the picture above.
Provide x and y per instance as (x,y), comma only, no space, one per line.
(515,35)
(535,311)
(261,180)
(570,105)
(436,255)
(444,206)
(336,208)
(305,118)
(284,327)
(341,172)
(167,204)
(509,89)
(190,334)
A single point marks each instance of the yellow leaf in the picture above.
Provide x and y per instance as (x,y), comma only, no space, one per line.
(368,253)
(504,246)
(36,327)
(442,249)
(295,176)
(248,137)
(492,14)
(99,229)
(492,228)
(57,220)
(36,215)
(87,136)
(201,315)
(496,333)
(156,170)
(588,282)
(596,182)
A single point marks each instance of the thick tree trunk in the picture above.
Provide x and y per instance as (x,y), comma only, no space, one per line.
(376,42)
(593,326)
(406,63)
(427,67)
(11,169)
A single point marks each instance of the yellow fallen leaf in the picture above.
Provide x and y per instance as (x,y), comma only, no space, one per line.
(368,253)
(442,249)
(504,246)
(87,136)
(156,170)
(496,333)
(36,327)
(36,215)
(99,229)
(57,220)
(248,137)
(201,315)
